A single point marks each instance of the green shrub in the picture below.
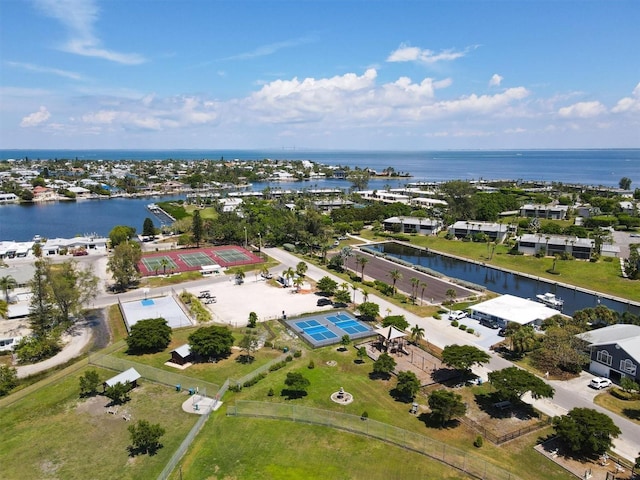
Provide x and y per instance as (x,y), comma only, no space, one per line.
(271,393)
(364,415)
(277,366)
(311,365)
(470,330)
(235,388)
(254,380)
(289,358)
(478,441)
(454,323)
(297,353)
(462,327)
(437,316)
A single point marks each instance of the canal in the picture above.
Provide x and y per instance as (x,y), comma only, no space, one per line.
(500,281)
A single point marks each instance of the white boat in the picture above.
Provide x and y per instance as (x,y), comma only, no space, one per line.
(550,300)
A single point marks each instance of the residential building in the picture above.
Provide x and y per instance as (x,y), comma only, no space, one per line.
(424,226)
(511,309)
(497,232)
(551,212)
(549,245)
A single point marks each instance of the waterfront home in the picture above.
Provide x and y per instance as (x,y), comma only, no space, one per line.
(614,351)
(8,198)
(507,309)
(497,232)
(549,245)
(14,249)
(384,196)
(550,212)
(44,194)
(424,226)
(54,246)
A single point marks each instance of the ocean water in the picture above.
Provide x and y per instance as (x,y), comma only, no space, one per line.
(591,167)
(66,219)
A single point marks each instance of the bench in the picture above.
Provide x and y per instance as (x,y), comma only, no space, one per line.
(504,405)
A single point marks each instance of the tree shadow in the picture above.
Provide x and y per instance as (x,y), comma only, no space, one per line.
(433,421)
(151,450)
(245,359)
(632,413)
(379,376)
(400,397)
(447,376)
(293,394)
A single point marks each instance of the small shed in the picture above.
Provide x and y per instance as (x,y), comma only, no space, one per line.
(181,355)
(130,377)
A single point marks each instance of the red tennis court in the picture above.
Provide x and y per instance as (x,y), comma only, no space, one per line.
(175,261)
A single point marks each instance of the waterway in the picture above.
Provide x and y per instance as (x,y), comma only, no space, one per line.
(500,281)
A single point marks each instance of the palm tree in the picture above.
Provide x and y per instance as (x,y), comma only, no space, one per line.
(451,295)
(7,283)
(264,271)
(298,282)
(415,283)
(365,295)
(289,273)
(164,263)
(395,276)
(4,309)
(240,276)
(301,269)
(362,261)
(355,289)
(423,286)
(417,333)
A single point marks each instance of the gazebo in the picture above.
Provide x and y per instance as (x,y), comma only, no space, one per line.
(390,337)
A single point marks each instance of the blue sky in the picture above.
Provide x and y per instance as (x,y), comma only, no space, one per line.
(319,74)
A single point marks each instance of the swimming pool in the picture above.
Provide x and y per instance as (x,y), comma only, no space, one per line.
(323,329)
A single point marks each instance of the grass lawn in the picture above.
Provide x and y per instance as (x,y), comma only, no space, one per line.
(602,276)
(230,447)
(52,433)
(216,373)
(626,408)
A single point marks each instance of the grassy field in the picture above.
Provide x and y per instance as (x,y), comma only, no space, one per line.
(625,408)
(53,433)
(602,276)
(230,447)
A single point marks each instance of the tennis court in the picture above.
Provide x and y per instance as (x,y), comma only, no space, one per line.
(327,329)
(175,261)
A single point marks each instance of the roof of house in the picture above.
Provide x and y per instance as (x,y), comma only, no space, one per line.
(475,226)
(183,350)
(128,376)
(626,336)
(514,309)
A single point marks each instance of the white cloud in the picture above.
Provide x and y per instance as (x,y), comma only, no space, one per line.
(270,49)
(79,17)
(582,110)
(406,53)
(496,80)
(37,68)
(36,118)
(629,104)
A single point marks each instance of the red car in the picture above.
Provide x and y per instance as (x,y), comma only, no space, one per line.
(80,253)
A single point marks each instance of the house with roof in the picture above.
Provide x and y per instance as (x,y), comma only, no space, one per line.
(549,245)
(44,194)
(181,355)
(511,309)
(424,226)
(128,377)
(497,232)
(550,212)
(614,351)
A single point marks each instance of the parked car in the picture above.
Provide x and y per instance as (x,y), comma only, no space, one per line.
(489,323)
(324,301)
(80,253)
(599,383)
(457,315)
(502,332)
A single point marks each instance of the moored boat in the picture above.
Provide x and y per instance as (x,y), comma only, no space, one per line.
(550,300)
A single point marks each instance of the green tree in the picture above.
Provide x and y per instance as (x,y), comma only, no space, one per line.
(89,383)
(446,405)
(197,230)
(249,344)
(451,295)
(239,276)
(148,229)
(423,287)
(359,178)
(123,265)
(118,393)
(369,310)
(8,379)
(417,334)
(301,269)
(384,365)
(512,383)
(72,288)
(297,384)
(7,283)
(327,285)
(362,354)
(628,385)
(395,276)
(345,341)
(408,384)
(586,431)
(625,183)
(150,335)
(397,321)
(253,319)
(362,262)
(523,339)
(4,309)
(342,296)
(145,437)
(121,234)
(211,342)
(463,357)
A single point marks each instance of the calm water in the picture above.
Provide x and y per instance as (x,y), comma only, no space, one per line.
(591,167)
(497,280)
(65,219)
